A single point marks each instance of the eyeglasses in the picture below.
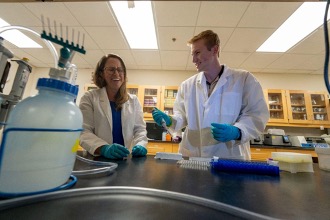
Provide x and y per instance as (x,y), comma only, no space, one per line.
(112,70)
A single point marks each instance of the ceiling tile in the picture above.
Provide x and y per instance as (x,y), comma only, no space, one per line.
(44,55)
(311,44)
(241,26)
(55,11)
(233,60)
(221,14)
(266,14)
(107,37)
(290,61)
(181,35)
(314,62)
(92,13)
(177,13)
(10,11)
(246,39)
(147,58)
(260,60)
(93,56)
(174,58)
(126,55)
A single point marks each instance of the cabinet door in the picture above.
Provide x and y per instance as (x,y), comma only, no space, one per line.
(320,107)
(133,89)
(168,97)
(277,105)
(149,97)
(89,86)
(299,107)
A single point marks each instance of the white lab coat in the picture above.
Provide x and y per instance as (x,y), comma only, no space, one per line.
(237,99)
(97,125)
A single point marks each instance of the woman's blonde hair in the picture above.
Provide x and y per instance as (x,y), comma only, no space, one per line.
(122,95)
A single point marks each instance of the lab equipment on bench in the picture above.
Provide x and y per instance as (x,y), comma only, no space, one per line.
(240,166)
(276,137)
(41,135)
(8,101)
(258,140)
(154,131)
(297,141)
(277,140)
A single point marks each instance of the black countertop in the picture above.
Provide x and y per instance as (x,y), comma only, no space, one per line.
(288,196)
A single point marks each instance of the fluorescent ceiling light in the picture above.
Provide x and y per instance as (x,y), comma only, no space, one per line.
(17,38)
(301,23)
(137,22)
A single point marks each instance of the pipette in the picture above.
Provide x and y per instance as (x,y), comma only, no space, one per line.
(166,128)
(164,124)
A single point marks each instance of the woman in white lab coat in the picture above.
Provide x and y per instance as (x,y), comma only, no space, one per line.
(113,119)
(220,108)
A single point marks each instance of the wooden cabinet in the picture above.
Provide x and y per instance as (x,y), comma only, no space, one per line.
(319,107)
(308,107)
(276,100)
(89,86)
(168,97)
(161,97)
(149,97)
(133,89)
(297,108)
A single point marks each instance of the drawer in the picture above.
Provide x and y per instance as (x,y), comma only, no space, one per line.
(175,148)
(313,153)
(154,147)
(261,154)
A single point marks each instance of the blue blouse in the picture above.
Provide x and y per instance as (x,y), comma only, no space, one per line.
(117,132)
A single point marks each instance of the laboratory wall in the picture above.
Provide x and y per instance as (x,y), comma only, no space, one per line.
(174,78)
(161,77)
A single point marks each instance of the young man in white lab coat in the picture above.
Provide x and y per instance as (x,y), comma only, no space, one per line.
(221,108)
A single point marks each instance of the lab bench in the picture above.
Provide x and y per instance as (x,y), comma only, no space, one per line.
(258,152)
(288,196)
(263,152)
(155,146)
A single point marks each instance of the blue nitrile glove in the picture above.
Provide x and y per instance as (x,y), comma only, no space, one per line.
(225,132)
(139,151)
(158,115)
(114,151)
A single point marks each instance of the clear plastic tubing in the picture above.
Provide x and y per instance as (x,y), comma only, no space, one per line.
(48,43)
